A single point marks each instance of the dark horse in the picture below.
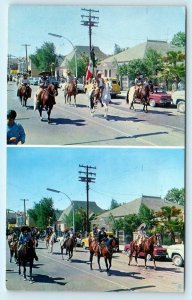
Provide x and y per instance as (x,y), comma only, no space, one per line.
(69,244)
(70,90)
(47,100)
(26,254)
(104,249)
(147,246)
(24,93)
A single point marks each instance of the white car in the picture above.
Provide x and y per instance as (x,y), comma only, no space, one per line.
(80,87)
(176,254)
(178,98)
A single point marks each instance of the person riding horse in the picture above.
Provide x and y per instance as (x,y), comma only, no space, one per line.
(24,237)
(25,81)
(141,234)
(138,85)
(100,86)
(70,79)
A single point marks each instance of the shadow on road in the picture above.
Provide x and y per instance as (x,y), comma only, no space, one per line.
(133,289)
(133,275)
(62,121)
(48,279)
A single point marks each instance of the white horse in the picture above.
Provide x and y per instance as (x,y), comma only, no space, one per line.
(106,98)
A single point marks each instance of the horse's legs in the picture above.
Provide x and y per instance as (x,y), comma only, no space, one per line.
(106,109)
(11,255)
(49,113)
(75,100)
(30,270)
(91,259)
(136,256)
(132,105)
(24,270)
(98,261)
(62,252)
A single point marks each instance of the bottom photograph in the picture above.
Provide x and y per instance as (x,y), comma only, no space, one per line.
(95,219)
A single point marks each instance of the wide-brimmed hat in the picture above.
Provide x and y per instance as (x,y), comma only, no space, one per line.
(68,72)
(25,228)
(142,226)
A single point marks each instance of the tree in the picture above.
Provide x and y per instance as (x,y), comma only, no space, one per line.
(114,204)
(81,66)
(44,57)
(176,196)
(179,39)
(147,216)
(153,62)
(171,220)
(118,49)
(43,213)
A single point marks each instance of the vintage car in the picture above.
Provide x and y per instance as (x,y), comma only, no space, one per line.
(176,254)
(159,252)
(178,98)
(158,97)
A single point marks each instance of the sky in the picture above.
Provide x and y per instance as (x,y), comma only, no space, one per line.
(126,26)
(123,174)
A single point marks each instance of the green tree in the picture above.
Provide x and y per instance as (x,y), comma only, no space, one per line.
(45,57)
(147,216)
(176,196)
(136,66)
(117,49)
(153,62)
(179,39)
(81,66)
(171,220)
(43,213)
(114,204)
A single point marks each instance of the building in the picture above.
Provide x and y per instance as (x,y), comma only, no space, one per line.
(110,64)
(133,207)
(93,210)
(81,51)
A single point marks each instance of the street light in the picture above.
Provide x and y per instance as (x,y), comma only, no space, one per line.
(61,36)
(72,203)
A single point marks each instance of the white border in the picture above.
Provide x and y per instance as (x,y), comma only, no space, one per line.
(6,295)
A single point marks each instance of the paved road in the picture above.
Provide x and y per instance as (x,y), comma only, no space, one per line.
(74,125)
(51,273)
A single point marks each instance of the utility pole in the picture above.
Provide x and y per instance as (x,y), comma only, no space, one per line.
(24,200)
(90,21)
(9,63)
(26,58)
(87,177)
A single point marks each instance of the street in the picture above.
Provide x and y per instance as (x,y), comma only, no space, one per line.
(51,273)
(72,125)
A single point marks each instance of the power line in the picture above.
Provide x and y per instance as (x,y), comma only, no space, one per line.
(87,177)
(90,21)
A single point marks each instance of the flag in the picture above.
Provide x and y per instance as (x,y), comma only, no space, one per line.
(89,72)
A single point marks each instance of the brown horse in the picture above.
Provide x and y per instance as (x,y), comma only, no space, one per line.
(147,246)
(13,249)
(70,90)
(47,100)
(26,254)
(24,93)
(69,244)
(104,249)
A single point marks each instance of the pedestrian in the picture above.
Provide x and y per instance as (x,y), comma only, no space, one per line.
(174,86)
(15,131)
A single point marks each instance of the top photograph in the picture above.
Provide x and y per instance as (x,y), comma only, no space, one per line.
(96,75)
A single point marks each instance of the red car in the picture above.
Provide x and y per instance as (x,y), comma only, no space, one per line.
(159,252)
(158,97)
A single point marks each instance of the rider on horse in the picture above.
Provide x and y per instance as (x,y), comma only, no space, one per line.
(141,234)
(25,81)
(70,79)
(100,86)
(24,237)
(138,84)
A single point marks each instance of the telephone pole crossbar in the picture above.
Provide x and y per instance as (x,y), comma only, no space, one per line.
(89,177)
(90,22)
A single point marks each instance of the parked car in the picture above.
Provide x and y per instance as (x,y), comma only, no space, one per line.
(158,97)
(178,98)
(113,82)
(53,80)
(80,87)
(159,252)
(85,241)
(176,254)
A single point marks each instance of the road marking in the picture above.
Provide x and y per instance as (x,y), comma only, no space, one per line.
(106,126)
(86,272)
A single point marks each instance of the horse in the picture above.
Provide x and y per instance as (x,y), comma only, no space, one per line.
(24,93)
(104,249)
(69,244)
(26,254)
(47,100)
(103,97)
(70,90)
(13,249)
(147,246)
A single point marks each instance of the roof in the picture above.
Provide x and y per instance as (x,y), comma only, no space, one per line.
(93,208)
(139,51)
(83,50)
(133,207)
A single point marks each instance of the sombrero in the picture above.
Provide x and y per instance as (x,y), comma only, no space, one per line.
(25,228)
(141,226)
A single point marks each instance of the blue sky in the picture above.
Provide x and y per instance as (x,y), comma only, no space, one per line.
(123,25)
(121,173)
